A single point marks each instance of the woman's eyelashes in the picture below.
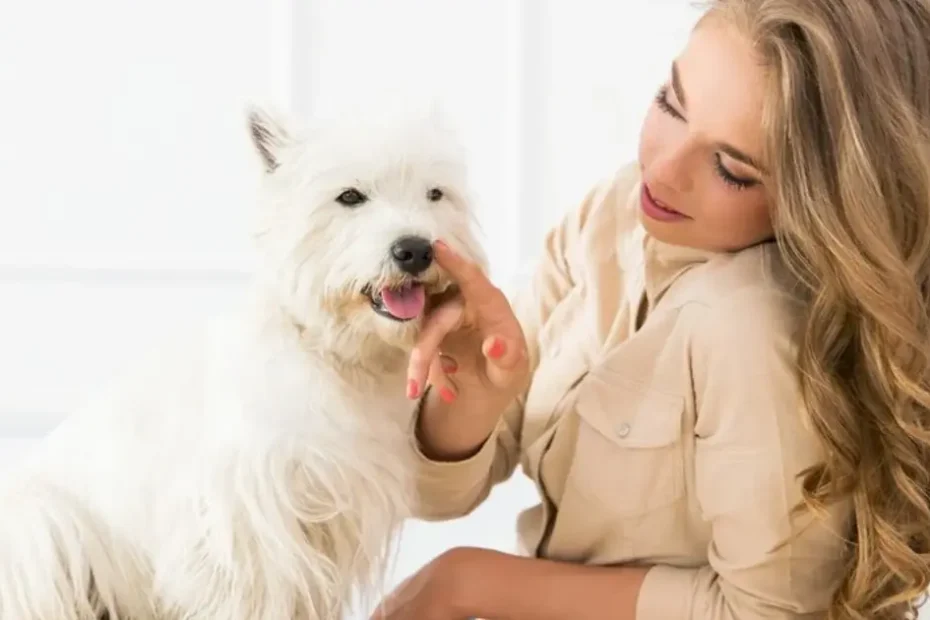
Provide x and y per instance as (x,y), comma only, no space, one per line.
(725,175)
(728,177)
(665,106)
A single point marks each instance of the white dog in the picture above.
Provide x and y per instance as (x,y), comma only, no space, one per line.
(254,470)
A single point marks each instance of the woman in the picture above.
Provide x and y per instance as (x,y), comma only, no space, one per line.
(721,382)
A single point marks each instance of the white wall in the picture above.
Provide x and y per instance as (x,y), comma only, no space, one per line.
(125,182)
(126,176)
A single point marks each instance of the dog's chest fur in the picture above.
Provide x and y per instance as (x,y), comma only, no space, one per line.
(256,477)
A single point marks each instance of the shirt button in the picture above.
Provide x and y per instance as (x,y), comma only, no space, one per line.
(623,429)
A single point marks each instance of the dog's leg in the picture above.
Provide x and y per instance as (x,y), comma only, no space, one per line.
(54,560)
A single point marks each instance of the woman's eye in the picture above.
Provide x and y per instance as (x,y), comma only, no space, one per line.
(351,198)
(725,175)
(729,178)
(434,195)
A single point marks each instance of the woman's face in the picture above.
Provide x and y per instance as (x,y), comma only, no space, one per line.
(701,146)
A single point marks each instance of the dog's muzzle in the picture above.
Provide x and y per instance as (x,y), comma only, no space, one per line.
(399,303)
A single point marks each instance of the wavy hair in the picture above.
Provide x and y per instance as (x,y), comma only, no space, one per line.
(847,121)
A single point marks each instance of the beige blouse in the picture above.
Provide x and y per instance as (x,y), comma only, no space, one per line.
(663,425)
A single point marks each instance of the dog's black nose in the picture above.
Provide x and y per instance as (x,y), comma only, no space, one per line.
(413,255)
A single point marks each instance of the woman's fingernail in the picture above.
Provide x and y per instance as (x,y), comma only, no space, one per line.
(449,366)
(496,351)
(446,394)
(413,390)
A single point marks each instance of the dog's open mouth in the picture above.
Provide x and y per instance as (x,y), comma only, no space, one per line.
(404,302)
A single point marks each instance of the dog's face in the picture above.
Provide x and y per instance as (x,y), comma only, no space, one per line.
(348,219)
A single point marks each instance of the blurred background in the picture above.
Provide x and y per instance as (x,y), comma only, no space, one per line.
(126,175)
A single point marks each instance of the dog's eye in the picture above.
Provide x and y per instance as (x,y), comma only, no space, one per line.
(351,198)
(434,195)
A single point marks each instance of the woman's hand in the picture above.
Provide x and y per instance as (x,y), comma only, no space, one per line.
(472,353)
(438,591)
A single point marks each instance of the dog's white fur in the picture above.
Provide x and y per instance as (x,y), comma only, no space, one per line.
(253,470)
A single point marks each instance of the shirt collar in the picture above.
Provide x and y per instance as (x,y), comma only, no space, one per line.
(663,262)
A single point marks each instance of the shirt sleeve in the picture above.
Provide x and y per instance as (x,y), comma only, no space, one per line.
(752,444)
(448,490)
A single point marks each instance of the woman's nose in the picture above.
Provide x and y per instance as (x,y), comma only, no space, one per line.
(673,168)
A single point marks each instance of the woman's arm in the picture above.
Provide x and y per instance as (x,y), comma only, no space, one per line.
(481,583)
(459,459)
(507,587)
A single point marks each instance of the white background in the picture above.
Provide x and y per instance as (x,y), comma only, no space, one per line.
(126,176)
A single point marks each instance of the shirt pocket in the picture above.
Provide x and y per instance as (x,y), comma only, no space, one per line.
(630,457)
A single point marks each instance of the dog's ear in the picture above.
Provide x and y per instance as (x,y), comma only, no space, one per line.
(269,136)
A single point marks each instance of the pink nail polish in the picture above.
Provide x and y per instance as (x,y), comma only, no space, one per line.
(497,349)
(446,395)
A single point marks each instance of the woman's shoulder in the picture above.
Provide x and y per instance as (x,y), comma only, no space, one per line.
(605,214)
(750,293)
(607,205)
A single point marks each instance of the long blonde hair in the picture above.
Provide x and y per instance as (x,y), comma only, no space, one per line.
(848,143)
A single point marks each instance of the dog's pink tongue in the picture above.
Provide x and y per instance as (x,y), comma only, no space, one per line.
(406,302)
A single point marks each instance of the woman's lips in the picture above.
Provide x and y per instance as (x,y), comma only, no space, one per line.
(658,210)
